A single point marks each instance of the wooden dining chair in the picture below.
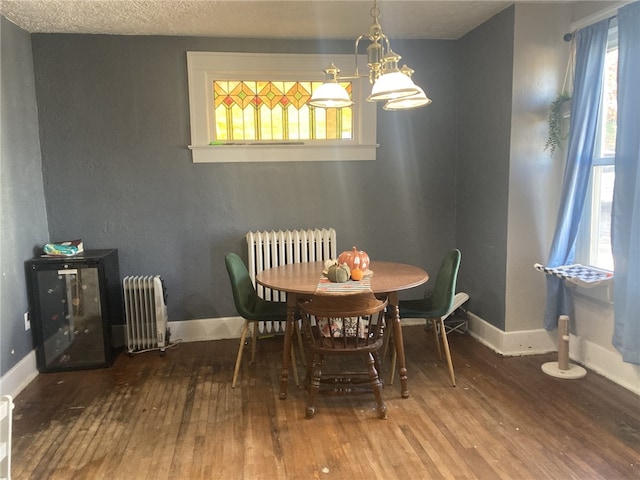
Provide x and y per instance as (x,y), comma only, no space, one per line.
(438,306)
(346,325)
(252,308)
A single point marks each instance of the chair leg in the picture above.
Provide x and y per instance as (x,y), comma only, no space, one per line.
(376,386)
(314,387)
(385,343)
(447,352)
(294,365)
(390,343)
(309,372)
(378,364)
(434,325)
(254,342)
(394,357)
(243,337)
(300,344)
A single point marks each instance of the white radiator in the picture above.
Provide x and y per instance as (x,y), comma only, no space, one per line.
(145,308)
(6,407)
(271,249)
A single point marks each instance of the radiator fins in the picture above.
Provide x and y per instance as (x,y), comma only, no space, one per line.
(145,307)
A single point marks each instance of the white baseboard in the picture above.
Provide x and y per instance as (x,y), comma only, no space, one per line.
(605,362)
(198,330)
(16,379)
(204,329)
(529,342)
(22,373)
(525,342)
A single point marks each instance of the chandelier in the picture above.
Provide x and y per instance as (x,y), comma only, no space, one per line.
(390,83)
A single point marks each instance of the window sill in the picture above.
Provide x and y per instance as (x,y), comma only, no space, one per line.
(281,152)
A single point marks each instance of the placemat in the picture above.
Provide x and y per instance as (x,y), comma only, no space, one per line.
(327,287)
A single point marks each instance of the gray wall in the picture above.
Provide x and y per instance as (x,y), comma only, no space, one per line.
(23,222)
(484,86)
(114,125)
(113,119)
(535,177)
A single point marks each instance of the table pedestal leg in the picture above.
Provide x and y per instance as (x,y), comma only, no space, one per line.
(288,336)
(394,318)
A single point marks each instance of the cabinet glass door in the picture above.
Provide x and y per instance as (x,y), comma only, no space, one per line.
(71,316)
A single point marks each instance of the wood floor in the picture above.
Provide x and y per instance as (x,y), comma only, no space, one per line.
(177,417)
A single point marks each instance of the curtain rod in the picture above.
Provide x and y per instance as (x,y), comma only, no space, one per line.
(567,37)
(609,12)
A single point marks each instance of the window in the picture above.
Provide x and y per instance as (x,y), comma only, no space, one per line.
(253,107)
(268,110)
(594,240)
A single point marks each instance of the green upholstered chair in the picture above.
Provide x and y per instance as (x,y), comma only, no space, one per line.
(439,305)
(251,307)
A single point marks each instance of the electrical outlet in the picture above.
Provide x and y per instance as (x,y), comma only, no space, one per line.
(27,321)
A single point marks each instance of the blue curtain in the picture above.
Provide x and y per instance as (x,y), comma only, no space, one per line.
(591,45)
(626,194)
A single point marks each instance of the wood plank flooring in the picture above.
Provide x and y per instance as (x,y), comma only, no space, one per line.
(177,417)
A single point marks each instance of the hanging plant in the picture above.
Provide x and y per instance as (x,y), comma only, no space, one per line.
(556,115)
(561,106)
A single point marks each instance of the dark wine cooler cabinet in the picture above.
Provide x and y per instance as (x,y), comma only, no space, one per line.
(74,302)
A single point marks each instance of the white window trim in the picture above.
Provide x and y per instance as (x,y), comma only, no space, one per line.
(204,67)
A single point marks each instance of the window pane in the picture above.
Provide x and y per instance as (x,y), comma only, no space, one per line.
(594,243)
(609,105)
(603,179)
(275,110)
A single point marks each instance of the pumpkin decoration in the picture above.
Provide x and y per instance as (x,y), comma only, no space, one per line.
(355,259)
(357,274)
(339,273)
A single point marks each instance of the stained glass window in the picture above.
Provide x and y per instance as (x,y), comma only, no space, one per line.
(254,107)
(275,111)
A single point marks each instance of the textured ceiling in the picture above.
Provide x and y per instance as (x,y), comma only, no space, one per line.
(342,19)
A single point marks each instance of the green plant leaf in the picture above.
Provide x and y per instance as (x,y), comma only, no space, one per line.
(556,137)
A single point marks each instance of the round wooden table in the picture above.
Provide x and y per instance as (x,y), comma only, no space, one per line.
(301,279)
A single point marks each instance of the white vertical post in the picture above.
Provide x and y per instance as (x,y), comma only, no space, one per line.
(563,342)
(562,368)
(6,407)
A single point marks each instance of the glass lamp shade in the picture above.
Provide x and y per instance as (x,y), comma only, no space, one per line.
(330,95)
(412,101)
(392,85)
